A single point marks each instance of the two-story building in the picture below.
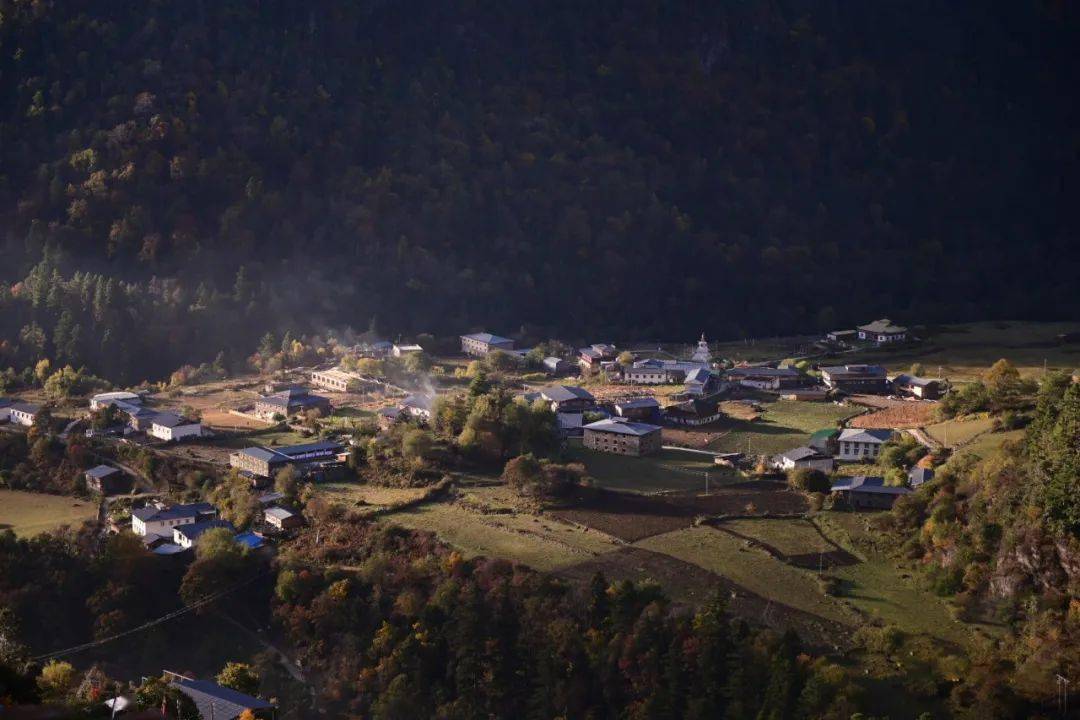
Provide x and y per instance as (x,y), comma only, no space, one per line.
(623,437)
(265,461)
(563,398)
(171,427)
(187,536)
(858,445)
(105,480)
(922,388)
(335,379)
(160,519)
(21,413)
(694,412)
(882,332)
(595,355)
(290,402)
(640,408)
(557,366)
(856,378)
(483,343)
(765,378)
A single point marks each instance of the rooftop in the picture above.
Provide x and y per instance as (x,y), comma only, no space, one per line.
(884,325)
(174,512)
(860,435)
(563,393)
(169,419)
(622,427)
(638,403)
(861,370)
(280,513)
(214,701)
(29,408)
(192,531)
(803,453)
(101,471)
(869,484)
(486,338)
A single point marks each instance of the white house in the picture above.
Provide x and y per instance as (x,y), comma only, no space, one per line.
(23,413)
(104,400)
(403,350)
(803,457)
(882,332)
(170,427)
(856,444)
(335,379)
(418,406)
(188,535)
(160,520)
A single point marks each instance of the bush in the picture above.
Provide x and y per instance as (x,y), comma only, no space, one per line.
(809,480)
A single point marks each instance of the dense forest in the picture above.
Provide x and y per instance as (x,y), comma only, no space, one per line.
(209,170)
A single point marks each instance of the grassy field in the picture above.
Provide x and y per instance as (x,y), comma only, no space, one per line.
(878,588)
(33,513)
(783,425)
(752,568)
(990,443)
(669,470)
(538,541)
(356,494)
(964,352)
(791,537)
(959,431)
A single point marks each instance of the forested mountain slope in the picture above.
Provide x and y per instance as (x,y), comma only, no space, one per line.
(605,166)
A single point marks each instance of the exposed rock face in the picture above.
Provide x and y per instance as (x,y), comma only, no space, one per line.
(1036,561)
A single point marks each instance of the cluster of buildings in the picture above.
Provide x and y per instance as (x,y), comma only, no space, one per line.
(165,425)
(171,529)
(878,332)
(827,448)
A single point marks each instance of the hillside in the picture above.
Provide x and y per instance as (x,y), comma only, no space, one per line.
(440,166)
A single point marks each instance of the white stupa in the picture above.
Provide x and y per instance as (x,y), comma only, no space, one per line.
(702,355)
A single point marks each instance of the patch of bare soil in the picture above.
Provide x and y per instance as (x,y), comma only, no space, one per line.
(892,413)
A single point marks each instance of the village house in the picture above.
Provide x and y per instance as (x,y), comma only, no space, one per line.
(5,409)
(387,417)
(842,337)
(803,457)
(335,379)
(289,402)
(919,475)
(418,407)
(403,350)
(187,536)
(700,381)
(481,344)
(563,398)
(653,372)
(641,408)
(824,441)
(765,378)
(21,413)
(857,445)
(557,366)
(856,378)
(282,519)
(570,424)
(595,355)
(265,461)
(922,388)
(866,492)
(105,480)
(215,702)
(623,437)
(882,332)
(694,412)
(171,427)
(160,519)
(104,400)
